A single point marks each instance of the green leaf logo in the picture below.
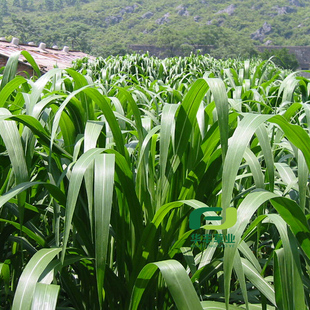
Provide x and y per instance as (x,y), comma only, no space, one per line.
(231,218)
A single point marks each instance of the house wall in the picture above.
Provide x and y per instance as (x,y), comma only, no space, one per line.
(21,69)
(3,61)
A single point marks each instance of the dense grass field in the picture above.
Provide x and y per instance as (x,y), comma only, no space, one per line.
(102,165)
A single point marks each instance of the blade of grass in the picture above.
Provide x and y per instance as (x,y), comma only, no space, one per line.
(178,283)
(73,191)
(103,194)
(10,69)
(28,280)
(45,296)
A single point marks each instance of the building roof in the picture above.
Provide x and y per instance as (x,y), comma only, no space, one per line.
(46,58)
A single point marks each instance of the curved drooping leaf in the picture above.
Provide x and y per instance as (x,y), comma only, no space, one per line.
(76,178)
(9,88)
(103,194)
(28,280)
(237,146)
(295,134)
(295,218)
(178,283)
(54,191)
(45,296)
(10,69)
(245,211)
(32,62)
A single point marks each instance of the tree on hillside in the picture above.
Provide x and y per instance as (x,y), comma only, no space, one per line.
(77,5)
(70,2)
(24,28)
(59,4)
(76,36)
(49,5)
(281,57)
(24,4)
(169,39)
(4,7)
(229,44)
(205,35)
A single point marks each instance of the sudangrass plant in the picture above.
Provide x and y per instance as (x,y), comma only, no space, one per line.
(101,167)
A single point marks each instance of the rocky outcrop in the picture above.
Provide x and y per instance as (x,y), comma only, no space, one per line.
(220,22)
(147,15)
(296,3)
(256,6)
(112,20)
(127,9)
(229,10)
(284,10)
(163,20)
(197,18)
(260,33)
(182,11)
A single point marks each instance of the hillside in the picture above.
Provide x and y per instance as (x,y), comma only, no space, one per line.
(108,27)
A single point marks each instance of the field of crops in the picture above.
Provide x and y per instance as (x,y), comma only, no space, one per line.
(102,167)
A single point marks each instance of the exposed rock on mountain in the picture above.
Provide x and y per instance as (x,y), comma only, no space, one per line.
(92,25)
(220,22)
(296,3)
(147,15)
(284,10)
(182,11)
(112,20)
(128,9)
(164,19)
(229,10)
(260,33)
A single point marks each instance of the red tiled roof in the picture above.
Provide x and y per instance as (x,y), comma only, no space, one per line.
(46,59)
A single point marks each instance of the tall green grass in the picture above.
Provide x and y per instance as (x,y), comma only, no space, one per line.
(101,167)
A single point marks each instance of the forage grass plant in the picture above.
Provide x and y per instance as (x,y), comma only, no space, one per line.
(102,165)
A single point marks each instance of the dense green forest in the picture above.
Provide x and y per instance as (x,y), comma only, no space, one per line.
(108,27)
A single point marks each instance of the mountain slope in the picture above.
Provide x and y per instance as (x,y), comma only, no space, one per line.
(107,27)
